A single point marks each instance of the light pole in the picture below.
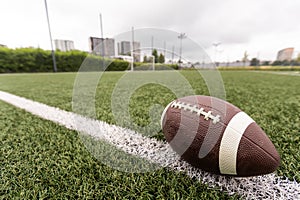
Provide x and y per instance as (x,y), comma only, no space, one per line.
(52,50)
(216,44)
(132,48)
(103,40)
(173,49)
(181,37)
(165,47)
(152,43)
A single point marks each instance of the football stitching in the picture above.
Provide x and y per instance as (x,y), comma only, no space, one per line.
(254,143)
(195,109)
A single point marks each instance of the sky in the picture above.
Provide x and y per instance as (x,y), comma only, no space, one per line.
(260,27)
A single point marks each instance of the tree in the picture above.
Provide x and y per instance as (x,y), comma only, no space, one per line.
(161,58)
(266,63)
(145,60)
(294,62)
(254,62)
(155,54)
(277,63)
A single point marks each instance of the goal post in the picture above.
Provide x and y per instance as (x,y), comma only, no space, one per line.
(132,60)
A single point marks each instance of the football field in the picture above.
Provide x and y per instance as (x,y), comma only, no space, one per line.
(42,159)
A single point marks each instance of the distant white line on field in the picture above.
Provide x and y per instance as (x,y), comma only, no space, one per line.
(260,187)
(287,73)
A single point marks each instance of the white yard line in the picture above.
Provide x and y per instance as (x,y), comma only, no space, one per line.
(287,73)
(261,187)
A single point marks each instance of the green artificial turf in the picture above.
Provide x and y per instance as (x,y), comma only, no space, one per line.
(43,159)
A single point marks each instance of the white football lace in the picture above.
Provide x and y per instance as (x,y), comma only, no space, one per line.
(195,109)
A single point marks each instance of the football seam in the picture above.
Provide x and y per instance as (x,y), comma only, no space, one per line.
(270,155)
(210,108)
(199,111)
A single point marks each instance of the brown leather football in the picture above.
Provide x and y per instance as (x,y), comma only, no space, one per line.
(214,135)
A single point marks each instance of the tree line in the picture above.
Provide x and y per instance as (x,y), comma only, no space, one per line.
(39,60)
(157,58)
(29,60)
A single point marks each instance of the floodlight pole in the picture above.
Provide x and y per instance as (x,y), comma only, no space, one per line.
(165,46)
(216,44)
(181,37)
(103,41)
(51,42)
(257,63)
(132,47)
(152,43)
(173,49)
(101,25)
(153,63)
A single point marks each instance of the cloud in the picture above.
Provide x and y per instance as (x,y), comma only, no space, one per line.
(232,22)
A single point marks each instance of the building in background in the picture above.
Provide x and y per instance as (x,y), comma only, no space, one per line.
(285,54)
(102,46)
(64,45)
(124,48)
(137,51)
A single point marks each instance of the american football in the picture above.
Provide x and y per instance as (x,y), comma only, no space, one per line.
(216,136)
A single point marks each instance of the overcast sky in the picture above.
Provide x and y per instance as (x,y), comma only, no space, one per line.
(260,27)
